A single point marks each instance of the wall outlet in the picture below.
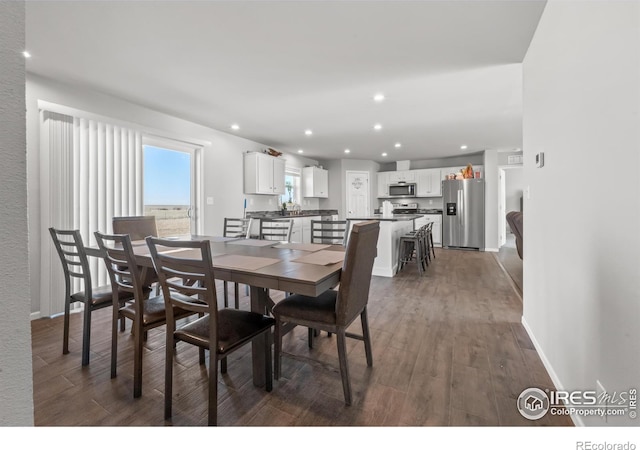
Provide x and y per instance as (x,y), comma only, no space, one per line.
(270,201)
(251,201)
(431,202)
(209,200)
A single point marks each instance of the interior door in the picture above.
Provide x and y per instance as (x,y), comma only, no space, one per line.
(358,194)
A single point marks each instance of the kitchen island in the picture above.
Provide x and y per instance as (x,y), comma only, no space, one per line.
(391,229)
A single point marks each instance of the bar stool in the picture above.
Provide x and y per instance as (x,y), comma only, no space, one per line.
(429,240)
(411,247)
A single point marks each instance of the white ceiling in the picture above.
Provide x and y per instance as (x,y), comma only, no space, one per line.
(450,70)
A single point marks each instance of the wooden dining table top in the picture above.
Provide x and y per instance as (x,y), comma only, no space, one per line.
(263,264)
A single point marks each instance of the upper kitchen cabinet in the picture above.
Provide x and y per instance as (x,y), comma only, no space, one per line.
(315,182)
(428,183)
(383,184)
(402,176)
(263,174)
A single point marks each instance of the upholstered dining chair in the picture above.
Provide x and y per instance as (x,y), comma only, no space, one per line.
(334,311)
(138,228)
(234,227)
(219,331)
(75,265)
(144,312)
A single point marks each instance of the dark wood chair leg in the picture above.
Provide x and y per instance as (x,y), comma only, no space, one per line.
(201,356)
(223,365)
(277,348)
(65,336)
(226,293)
(168,375)
(139,338)
(213,390)
(114,341)
(236,293)
(366,337)
(86,334)
(268,367)
(311,333)
(344,366)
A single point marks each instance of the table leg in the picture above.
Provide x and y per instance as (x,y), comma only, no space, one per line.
(259,302)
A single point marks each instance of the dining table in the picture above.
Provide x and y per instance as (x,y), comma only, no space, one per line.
(263,265)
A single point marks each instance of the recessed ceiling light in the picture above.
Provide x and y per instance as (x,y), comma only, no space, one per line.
(378,97)
(463,147)
(377,127)
(398,145)
(384,154)
(308,132)
(235,127)
(26,54)
(346,150)
(300,151)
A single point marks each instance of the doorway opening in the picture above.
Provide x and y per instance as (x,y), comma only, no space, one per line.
(171,186)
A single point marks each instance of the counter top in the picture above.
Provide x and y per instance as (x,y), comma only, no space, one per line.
(287,215)
(393,218)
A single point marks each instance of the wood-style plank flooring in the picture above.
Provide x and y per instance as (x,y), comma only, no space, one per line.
(448,350)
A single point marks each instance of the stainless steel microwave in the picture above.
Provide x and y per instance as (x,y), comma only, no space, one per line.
(402,190)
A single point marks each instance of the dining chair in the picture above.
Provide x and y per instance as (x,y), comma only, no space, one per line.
(234,227)
(138,228)
(75,265)
(276,229)
(219,331)
(334,311)
(144,312)
(328,231)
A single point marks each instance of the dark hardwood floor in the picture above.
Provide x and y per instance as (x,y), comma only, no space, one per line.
(448,350)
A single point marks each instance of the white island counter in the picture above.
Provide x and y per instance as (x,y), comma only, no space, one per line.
(391,228)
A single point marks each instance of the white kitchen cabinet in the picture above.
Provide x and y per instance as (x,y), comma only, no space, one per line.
(428,183)
(315,182)
(383,184)
(306,228)
(402,176)
(263,174)
(301,229)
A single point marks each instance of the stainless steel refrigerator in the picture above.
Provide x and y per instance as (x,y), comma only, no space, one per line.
(463,213)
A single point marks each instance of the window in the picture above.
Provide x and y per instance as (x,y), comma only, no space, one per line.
(169,187)
(292,186)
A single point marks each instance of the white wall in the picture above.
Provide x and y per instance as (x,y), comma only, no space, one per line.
(513,188)
(491,193)
(222,164)
(16,388)
(582,220)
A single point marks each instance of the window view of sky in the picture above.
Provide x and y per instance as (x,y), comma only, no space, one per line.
(167,177)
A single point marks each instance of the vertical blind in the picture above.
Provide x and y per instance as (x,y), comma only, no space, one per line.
(94,173)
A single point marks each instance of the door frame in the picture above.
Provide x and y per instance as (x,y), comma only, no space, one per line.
(502,201)
(195,151)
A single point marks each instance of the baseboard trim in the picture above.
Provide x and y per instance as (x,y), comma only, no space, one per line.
(577,420)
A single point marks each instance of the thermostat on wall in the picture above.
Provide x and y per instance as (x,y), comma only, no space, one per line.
(540,159)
